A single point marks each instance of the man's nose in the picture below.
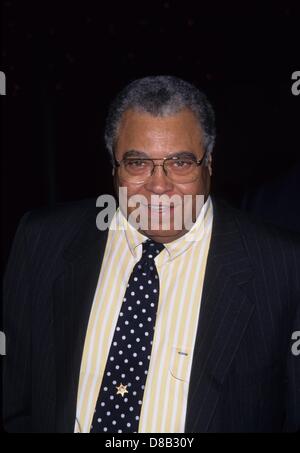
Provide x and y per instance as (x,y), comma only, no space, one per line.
(158,182)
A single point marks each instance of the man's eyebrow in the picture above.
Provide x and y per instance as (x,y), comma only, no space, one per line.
(142,154)
(134,153)
(184,154)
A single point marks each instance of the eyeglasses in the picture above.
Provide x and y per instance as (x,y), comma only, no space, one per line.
(177,169)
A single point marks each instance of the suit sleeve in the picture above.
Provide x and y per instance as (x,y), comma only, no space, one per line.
(17,329)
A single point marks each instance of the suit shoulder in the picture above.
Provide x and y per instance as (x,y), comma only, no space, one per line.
(60,213)
(254,228)
(58,223)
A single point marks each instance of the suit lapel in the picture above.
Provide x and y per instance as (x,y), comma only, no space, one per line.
(225,312)
(73,295)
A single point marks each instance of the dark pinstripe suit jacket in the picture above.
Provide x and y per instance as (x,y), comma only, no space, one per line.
(244,375)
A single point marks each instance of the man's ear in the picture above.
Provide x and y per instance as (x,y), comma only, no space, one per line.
(113,171)
(209,165)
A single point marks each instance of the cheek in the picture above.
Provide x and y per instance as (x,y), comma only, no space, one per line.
(135,191)
(132,191)
(194,188)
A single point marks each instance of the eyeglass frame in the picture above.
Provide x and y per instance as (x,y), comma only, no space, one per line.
(198,162)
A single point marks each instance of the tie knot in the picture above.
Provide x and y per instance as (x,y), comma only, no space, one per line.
(151,248)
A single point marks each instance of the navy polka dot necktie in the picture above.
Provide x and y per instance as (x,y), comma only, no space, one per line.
(121,395)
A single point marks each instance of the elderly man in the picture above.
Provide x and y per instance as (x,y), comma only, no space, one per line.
(141,327)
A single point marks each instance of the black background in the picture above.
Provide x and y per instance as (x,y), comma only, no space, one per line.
(65,61)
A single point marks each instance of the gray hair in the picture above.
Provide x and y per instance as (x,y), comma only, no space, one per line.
(161,96)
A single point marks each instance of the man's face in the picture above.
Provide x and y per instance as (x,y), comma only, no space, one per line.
(143,135)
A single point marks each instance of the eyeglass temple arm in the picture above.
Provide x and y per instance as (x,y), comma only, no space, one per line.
(199,161)
(115,162)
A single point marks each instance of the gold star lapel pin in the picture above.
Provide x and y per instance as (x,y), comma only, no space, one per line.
(122,389)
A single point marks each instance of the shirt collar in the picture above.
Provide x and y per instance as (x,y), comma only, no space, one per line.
(194,235)
(134,238)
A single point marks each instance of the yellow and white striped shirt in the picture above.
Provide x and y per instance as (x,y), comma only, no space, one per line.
(181,269)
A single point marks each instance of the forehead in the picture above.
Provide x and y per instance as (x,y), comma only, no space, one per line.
(159,135)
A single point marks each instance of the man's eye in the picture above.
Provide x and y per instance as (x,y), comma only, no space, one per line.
(135,163)
(181,163)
